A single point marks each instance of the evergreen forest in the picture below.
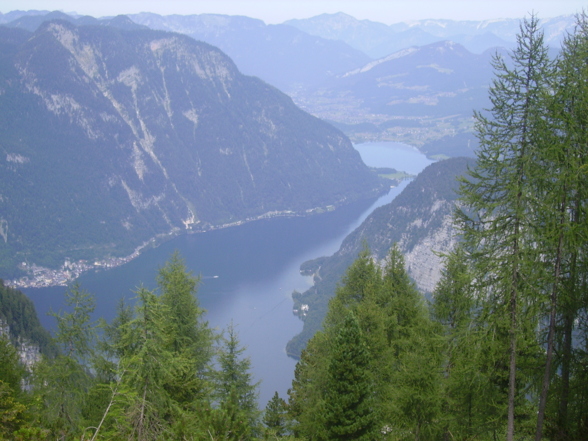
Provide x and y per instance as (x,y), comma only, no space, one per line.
(500,351)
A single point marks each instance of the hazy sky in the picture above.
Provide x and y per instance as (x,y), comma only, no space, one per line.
(277,11)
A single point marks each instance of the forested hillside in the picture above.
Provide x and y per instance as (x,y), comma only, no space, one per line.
(113,137)
(419,220)
(157,371)
(20,324)
(501,351)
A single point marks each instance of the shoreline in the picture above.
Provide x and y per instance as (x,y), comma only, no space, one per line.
(42,277)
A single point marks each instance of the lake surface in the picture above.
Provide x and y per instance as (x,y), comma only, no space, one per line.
(247,272)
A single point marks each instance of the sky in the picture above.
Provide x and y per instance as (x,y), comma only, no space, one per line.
(278,11)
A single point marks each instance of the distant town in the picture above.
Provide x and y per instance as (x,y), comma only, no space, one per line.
(41,277)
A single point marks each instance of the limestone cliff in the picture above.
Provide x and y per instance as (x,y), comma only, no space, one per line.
(419,220)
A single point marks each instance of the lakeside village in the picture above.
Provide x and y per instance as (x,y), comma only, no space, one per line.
(41,277)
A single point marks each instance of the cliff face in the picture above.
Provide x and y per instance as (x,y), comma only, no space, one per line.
(419,221)
(20,325)
(29,352)
(111,137)
(422,260)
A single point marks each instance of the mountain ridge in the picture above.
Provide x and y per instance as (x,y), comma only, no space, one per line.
(112,137)
(378,40)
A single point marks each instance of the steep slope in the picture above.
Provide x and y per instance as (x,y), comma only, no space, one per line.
(419,220)
(19,323)
(109,138)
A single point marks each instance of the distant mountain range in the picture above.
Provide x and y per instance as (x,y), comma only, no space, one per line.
(111,137)
(379,40)
(183,140)
(281,55)
(419,95)
(372,81)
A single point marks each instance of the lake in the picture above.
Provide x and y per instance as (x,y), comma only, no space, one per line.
(247,272)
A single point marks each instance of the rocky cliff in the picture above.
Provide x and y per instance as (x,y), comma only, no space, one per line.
(20,325)
(419,220)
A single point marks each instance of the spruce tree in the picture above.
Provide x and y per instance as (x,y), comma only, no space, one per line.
(349,412)
(274,416)
(471,406)
(306,396)
(234,389)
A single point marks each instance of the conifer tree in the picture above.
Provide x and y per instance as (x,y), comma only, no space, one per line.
(561,206)
(274,417)
(471,406)
(61,385)
(306,396)
(349,401)
(235,390)
(11,374)
(403,353)
(414,360)
(11,371)
(144,407)
(498,195)
(188,336)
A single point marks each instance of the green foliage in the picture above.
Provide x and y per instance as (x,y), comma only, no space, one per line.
(11,412)
(75,332)
(392,223)
(11,372)
(61,385)
(498,199)
(274,416)
(233,381)
(187,335)
(378,322)
(18,312)
(349,398)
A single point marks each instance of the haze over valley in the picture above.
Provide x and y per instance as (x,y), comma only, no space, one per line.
(374,227)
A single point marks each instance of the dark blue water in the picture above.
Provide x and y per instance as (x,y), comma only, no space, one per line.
(247,272)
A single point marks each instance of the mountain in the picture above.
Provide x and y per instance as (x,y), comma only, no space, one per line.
(365,35)
(15,15)
(379,40)
(419,220)
(281,55)
(437,77)
(419,95)
(19,323)
(110,138)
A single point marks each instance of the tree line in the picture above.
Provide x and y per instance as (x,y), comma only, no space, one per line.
(157,371)
(499,351)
